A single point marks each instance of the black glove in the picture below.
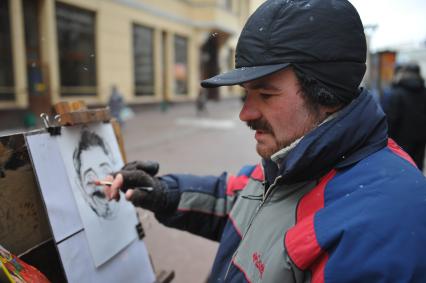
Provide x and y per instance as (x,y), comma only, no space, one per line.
(150,167)
(149,191)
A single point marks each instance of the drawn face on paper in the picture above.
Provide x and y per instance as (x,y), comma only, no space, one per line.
(93,161)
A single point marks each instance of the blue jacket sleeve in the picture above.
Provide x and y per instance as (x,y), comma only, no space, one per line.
(201,204)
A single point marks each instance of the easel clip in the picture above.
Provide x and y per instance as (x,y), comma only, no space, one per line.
(140,231)
(54,128)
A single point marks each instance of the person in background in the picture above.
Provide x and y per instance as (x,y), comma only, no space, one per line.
(406,111)
(332,200)
(116,104)
(384,98)
(201,102)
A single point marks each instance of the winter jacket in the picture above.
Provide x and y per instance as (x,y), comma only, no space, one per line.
(345,205)
(406,111)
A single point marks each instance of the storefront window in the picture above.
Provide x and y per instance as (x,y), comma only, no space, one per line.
(228,5)
(181,65)
(143,58)
(7,91)
(76,47)
(34,71)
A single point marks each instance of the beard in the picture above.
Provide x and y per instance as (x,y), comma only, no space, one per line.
(272,143)
(263,150)
(266,151)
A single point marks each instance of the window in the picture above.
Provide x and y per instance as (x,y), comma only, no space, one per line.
(143,58)
(237,7)
(181,65)
(32,46)
(76,47)
(164,57)
(228,5)
(7,90)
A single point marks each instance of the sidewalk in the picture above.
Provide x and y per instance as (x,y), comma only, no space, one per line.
(153,127)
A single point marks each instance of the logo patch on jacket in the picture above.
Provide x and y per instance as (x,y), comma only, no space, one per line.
(258,263)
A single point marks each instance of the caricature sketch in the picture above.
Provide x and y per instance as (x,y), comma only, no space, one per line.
(96,242)
(93,161)
(90,153)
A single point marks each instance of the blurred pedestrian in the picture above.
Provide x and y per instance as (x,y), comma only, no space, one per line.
(116,104)
(333,199)
(406,111)
(201,102)
(384,99)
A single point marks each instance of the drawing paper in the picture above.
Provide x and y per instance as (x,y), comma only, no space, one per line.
(89,153)
(96,242)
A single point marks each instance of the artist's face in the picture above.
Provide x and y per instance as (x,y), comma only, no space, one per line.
(95,165)
(275,109)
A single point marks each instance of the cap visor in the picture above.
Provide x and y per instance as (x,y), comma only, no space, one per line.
(242,75)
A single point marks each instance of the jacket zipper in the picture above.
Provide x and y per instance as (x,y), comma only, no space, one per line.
(265,195)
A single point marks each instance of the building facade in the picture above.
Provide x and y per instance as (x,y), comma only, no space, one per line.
(151,50)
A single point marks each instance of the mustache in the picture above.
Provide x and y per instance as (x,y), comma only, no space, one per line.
(260,125)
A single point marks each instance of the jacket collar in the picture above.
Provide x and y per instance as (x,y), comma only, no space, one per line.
(357,131)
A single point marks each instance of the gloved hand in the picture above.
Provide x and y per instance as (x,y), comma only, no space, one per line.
(139,174)
(150,167)
(137,181)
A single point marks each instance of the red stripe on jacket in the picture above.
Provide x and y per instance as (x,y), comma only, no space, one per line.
(300,241)
(237,183)
(257,173)
(392,145)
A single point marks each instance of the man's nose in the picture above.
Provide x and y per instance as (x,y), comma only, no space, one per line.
(249,111)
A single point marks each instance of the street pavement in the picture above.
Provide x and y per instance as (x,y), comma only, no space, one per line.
(184,142)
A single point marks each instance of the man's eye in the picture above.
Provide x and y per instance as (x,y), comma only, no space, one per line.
(266,95)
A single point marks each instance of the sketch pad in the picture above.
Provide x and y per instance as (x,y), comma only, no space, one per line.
(95,238)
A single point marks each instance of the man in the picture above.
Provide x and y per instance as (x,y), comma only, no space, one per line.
(92,161)
(333,200)
(406,111)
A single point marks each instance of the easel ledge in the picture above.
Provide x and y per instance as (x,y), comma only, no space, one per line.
(75,113)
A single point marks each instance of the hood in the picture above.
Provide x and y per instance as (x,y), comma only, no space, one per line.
(357,131)
(413,84)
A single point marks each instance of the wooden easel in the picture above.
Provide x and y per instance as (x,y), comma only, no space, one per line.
(76,113)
